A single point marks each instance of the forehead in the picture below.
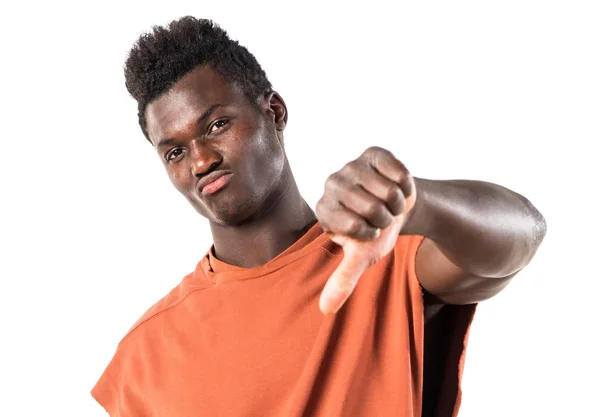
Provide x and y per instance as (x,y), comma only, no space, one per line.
(179,108)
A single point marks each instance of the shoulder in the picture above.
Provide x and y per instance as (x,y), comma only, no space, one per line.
(121,379)
(168,302)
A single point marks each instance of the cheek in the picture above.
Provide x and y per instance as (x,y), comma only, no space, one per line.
(180,178)
(258,154)
(268,153)
(276,155)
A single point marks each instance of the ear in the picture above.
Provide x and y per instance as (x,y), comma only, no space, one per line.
(277,110)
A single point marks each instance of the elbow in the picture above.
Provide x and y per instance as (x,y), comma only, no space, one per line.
(525,241)
(539,225)
(536,231)
(540,230)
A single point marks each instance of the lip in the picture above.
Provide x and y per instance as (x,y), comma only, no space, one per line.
(213,182)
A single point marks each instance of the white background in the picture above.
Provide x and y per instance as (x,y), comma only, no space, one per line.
(93,233)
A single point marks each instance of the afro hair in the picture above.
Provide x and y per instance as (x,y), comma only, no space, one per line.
(160,58)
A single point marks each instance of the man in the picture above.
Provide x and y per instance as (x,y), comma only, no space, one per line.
(274,321)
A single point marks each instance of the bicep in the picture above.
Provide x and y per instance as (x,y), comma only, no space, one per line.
(447,283)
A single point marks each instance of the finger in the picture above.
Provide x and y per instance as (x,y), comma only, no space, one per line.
(411,195)
(384,189)
(366,205)
(341,283)
(338,220)
(390,167)
(407,185)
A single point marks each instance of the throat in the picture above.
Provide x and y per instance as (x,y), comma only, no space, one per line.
(268,234)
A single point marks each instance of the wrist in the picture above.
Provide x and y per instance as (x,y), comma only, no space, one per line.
(419,220)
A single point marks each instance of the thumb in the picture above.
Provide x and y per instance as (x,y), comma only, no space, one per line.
(343,280)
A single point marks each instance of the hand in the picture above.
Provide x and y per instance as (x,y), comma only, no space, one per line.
(363,210)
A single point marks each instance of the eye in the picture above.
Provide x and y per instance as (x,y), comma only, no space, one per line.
(219,124)
(174,153)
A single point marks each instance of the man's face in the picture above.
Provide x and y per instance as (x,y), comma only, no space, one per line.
(220,151)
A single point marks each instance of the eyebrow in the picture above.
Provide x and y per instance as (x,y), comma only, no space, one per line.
(204,115)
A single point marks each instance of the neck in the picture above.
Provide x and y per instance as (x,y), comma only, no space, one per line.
(284,218)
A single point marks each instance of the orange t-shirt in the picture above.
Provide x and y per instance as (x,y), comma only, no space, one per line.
(235,342)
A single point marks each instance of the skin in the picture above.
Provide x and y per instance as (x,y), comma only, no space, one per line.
(260,212)
(477,235)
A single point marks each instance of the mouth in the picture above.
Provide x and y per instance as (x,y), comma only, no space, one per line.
(214,182)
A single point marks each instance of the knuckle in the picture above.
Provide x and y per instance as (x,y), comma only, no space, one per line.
(373,150)
(333,181)
(383,154)
(332,178)
(377,151)
(350,169)
(320,207)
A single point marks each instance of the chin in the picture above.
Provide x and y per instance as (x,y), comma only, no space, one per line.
(232,213)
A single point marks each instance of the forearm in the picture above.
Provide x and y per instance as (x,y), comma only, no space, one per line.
(485,229)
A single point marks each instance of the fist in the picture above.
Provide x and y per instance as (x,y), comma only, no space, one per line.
(363,209)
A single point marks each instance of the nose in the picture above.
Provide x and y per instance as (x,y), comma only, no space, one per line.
(205,159)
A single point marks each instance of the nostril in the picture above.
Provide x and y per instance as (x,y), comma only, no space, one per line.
(213,166)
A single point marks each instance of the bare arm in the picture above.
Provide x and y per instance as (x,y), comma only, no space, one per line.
(478,236)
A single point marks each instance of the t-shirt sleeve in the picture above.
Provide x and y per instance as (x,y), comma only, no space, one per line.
(406,249)
(106,393)
(119,390)
(458,319)
(410,249)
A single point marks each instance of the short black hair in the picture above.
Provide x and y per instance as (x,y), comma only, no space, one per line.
(161,57)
